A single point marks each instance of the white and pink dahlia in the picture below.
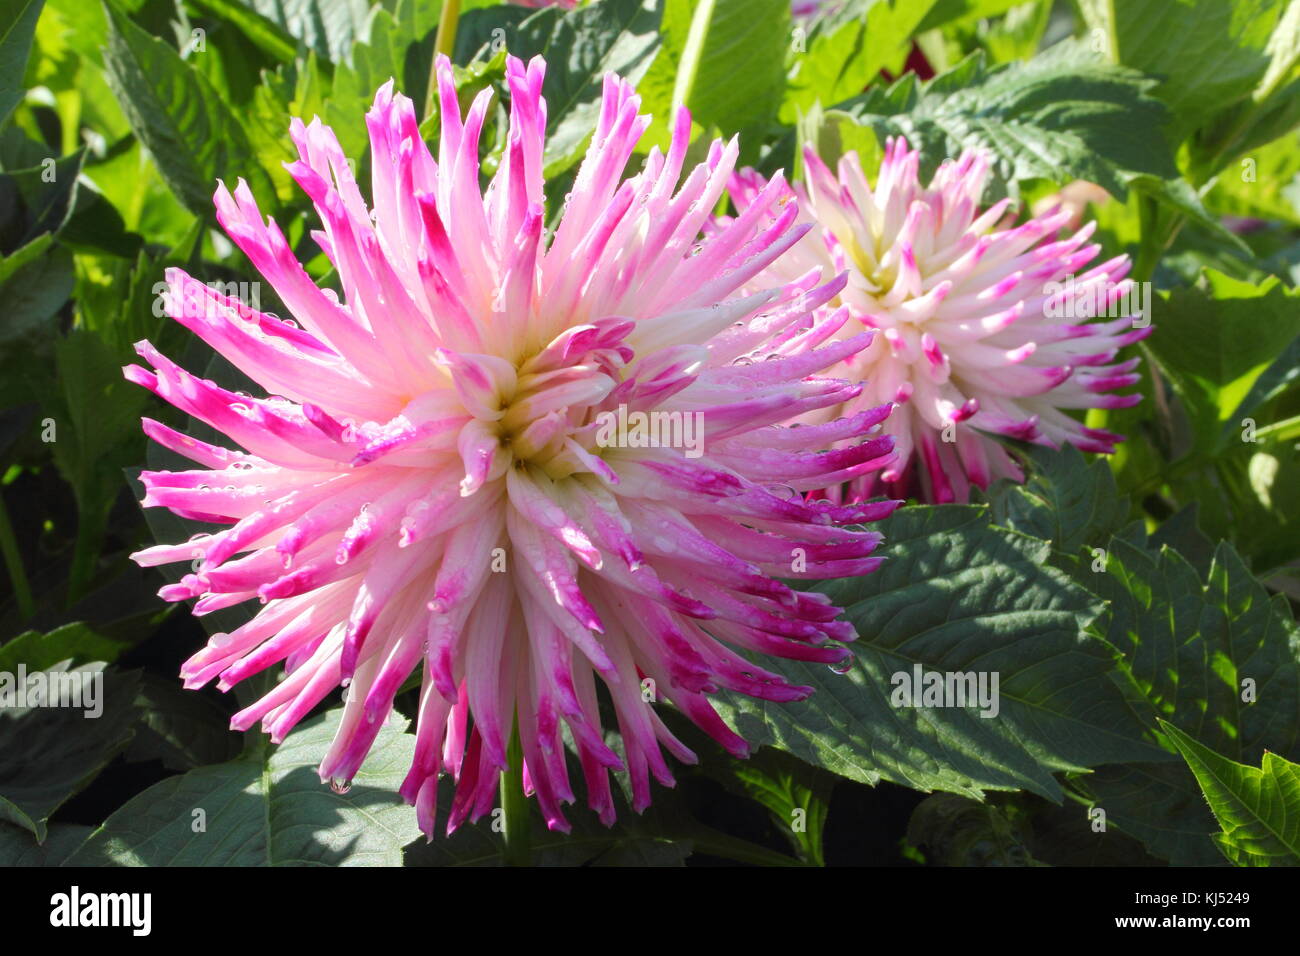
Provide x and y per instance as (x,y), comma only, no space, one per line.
(984,329)
(451,470)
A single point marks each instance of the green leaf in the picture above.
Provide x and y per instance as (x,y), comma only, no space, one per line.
(795,793)
(97,416)
(18,848)
(174,110)
(960,12)
(1068,500)
(182,728)
(1189,642)
(1061,116)
(1159,805)
(267,809)
(1183,534)
(71,642)
(329,28)
(1259,810)
(374,61)
(618,36)
(1271,191)
(956,831)
(267,35)
(580,47)
(130,182)
(45,196)
(49,753)
(35,281)
(15,47)
(958,595)
(730,72)
(846,49)
(477,32)
(1214,341)
(1016,35)
(1209,55)
(832,133)
(292,90)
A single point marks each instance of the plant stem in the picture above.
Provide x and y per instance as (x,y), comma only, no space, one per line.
(518,850)
(14,563)
(90,537)
(444,41)
(1280,431)
(715,843)
(692,53)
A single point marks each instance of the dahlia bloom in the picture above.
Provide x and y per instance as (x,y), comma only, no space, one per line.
(426,486)
(983,329)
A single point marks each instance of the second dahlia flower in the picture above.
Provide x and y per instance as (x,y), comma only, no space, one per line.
(465,464)
(983,328)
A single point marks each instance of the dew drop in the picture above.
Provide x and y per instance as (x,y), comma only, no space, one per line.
(842,667)
(340,786)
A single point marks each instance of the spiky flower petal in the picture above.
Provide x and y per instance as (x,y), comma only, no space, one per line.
(449,472)
(983,328)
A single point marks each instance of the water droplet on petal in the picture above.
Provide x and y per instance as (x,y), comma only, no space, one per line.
(340,786)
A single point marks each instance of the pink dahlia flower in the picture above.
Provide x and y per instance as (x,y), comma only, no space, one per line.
(457,467)
(983,329)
